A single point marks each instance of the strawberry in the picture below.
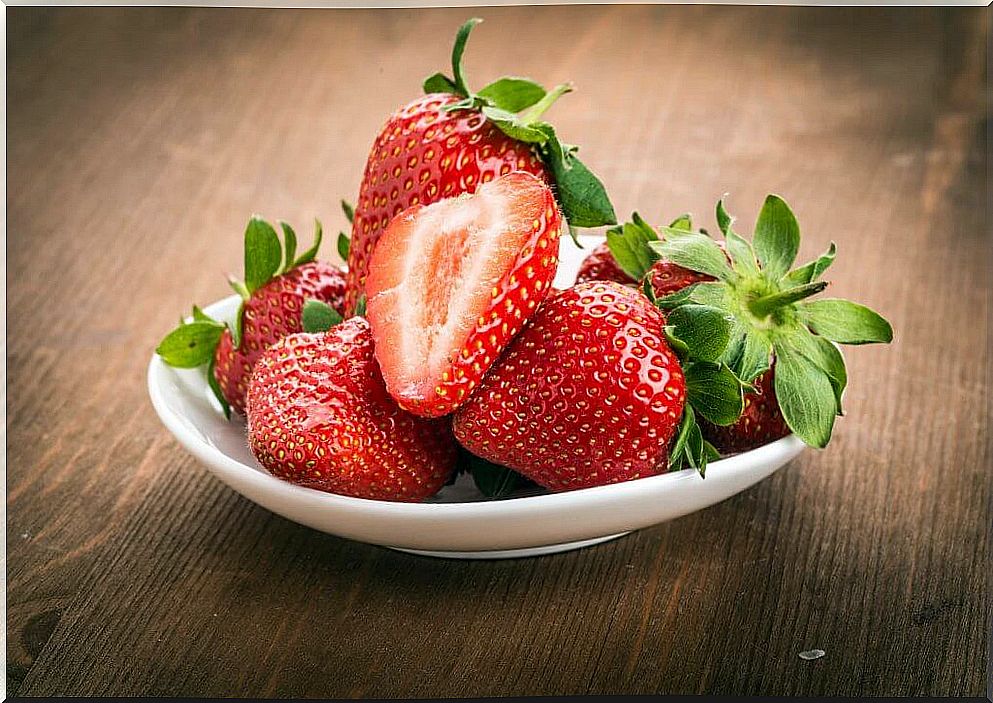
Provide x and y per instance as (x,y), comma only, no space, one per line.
(319,416)
(761,421)
(666,278)
(768,316)
(451,283)
(273,293)
(600,265)
(451,141)
(589,393)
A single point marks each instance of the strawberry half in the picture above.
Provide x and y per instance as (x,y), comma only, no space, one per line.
(319,416)
(451,141)
(273,293)
(450,284)
(588,394)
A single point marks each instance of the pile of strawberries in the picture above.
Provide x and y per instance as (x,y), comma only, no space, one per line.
(445,348)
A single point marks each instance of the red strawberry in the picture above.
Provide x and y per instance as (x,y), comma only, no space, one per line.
(273,295)
(600,265)
(451,141)
(422,155)
(451,283)
(589,393)
(668,278)
(761,421)
(319,416)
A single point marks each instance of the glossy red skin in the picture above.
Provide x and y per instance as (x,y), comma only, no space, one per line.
(600,265)
(319,416)
(588,394)
(271,313)
(421,155)
(760,423)
(513,300)
(668,278)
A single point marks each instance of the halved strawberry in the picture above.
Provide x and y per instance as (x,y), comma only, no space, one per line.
(451,283)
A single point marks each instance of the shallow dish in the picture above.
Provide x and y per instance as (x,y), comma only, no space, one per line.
(459,522)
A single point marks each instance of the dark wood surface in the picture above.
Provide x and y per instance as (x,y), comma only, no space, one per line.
(139,142)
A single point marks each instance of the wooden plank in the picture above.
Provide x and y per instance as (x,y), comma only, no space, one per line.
(140,140)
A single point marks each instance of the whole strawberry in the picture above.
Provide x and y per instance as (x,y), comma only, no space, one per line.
(600,265)
(450,284)
(588,394)
(771,318)
(273,293)
(319,416)
(452,140)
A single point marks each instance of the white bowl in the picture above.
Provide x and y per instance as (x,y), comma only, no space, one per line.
(459,522)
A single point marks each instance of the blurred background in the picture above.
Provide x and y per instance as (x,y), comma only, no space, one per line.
(140,141)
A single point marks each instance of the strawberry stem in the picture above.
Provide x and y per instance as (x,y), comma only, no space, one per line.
(764,306)
(539,108)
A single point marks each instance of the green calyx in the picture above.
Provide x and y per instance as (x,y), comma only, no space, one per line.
(516,105)
(193,343)
(344,242)
(265,259)
(768,315)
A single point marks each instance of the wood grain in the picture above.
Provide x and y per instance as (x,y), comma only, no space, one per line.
(140,140)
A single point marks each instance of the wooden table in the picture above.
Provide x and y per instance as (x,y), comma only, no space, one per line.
(140,141)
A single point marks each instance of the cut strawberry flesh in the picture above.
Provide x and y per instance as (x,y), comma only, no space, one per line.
(440,272)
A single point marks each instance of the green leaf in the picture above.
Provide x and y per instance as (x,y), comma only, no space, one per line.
(360,305)
(439,83)
(683,222)
(846,322)
(647,230)
(239,288)
(767,304)
(349,211)
(689,447)
(513,94)
(715,294)
(724,220)
(461,88)
(514,128)
(493,480)
(200,316)
(808,273)
(290,246)
(239,325)
(628,245)
(582,196)
(828,358)
(649,291)
(677,453)
(777,237)
(694,251)
(311,253)
(714,391)
(673,300)
(318,316)
(215,388)
(191,345)
(263,254)
(806,397)
(703,329)
(754,357)
(344,244)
